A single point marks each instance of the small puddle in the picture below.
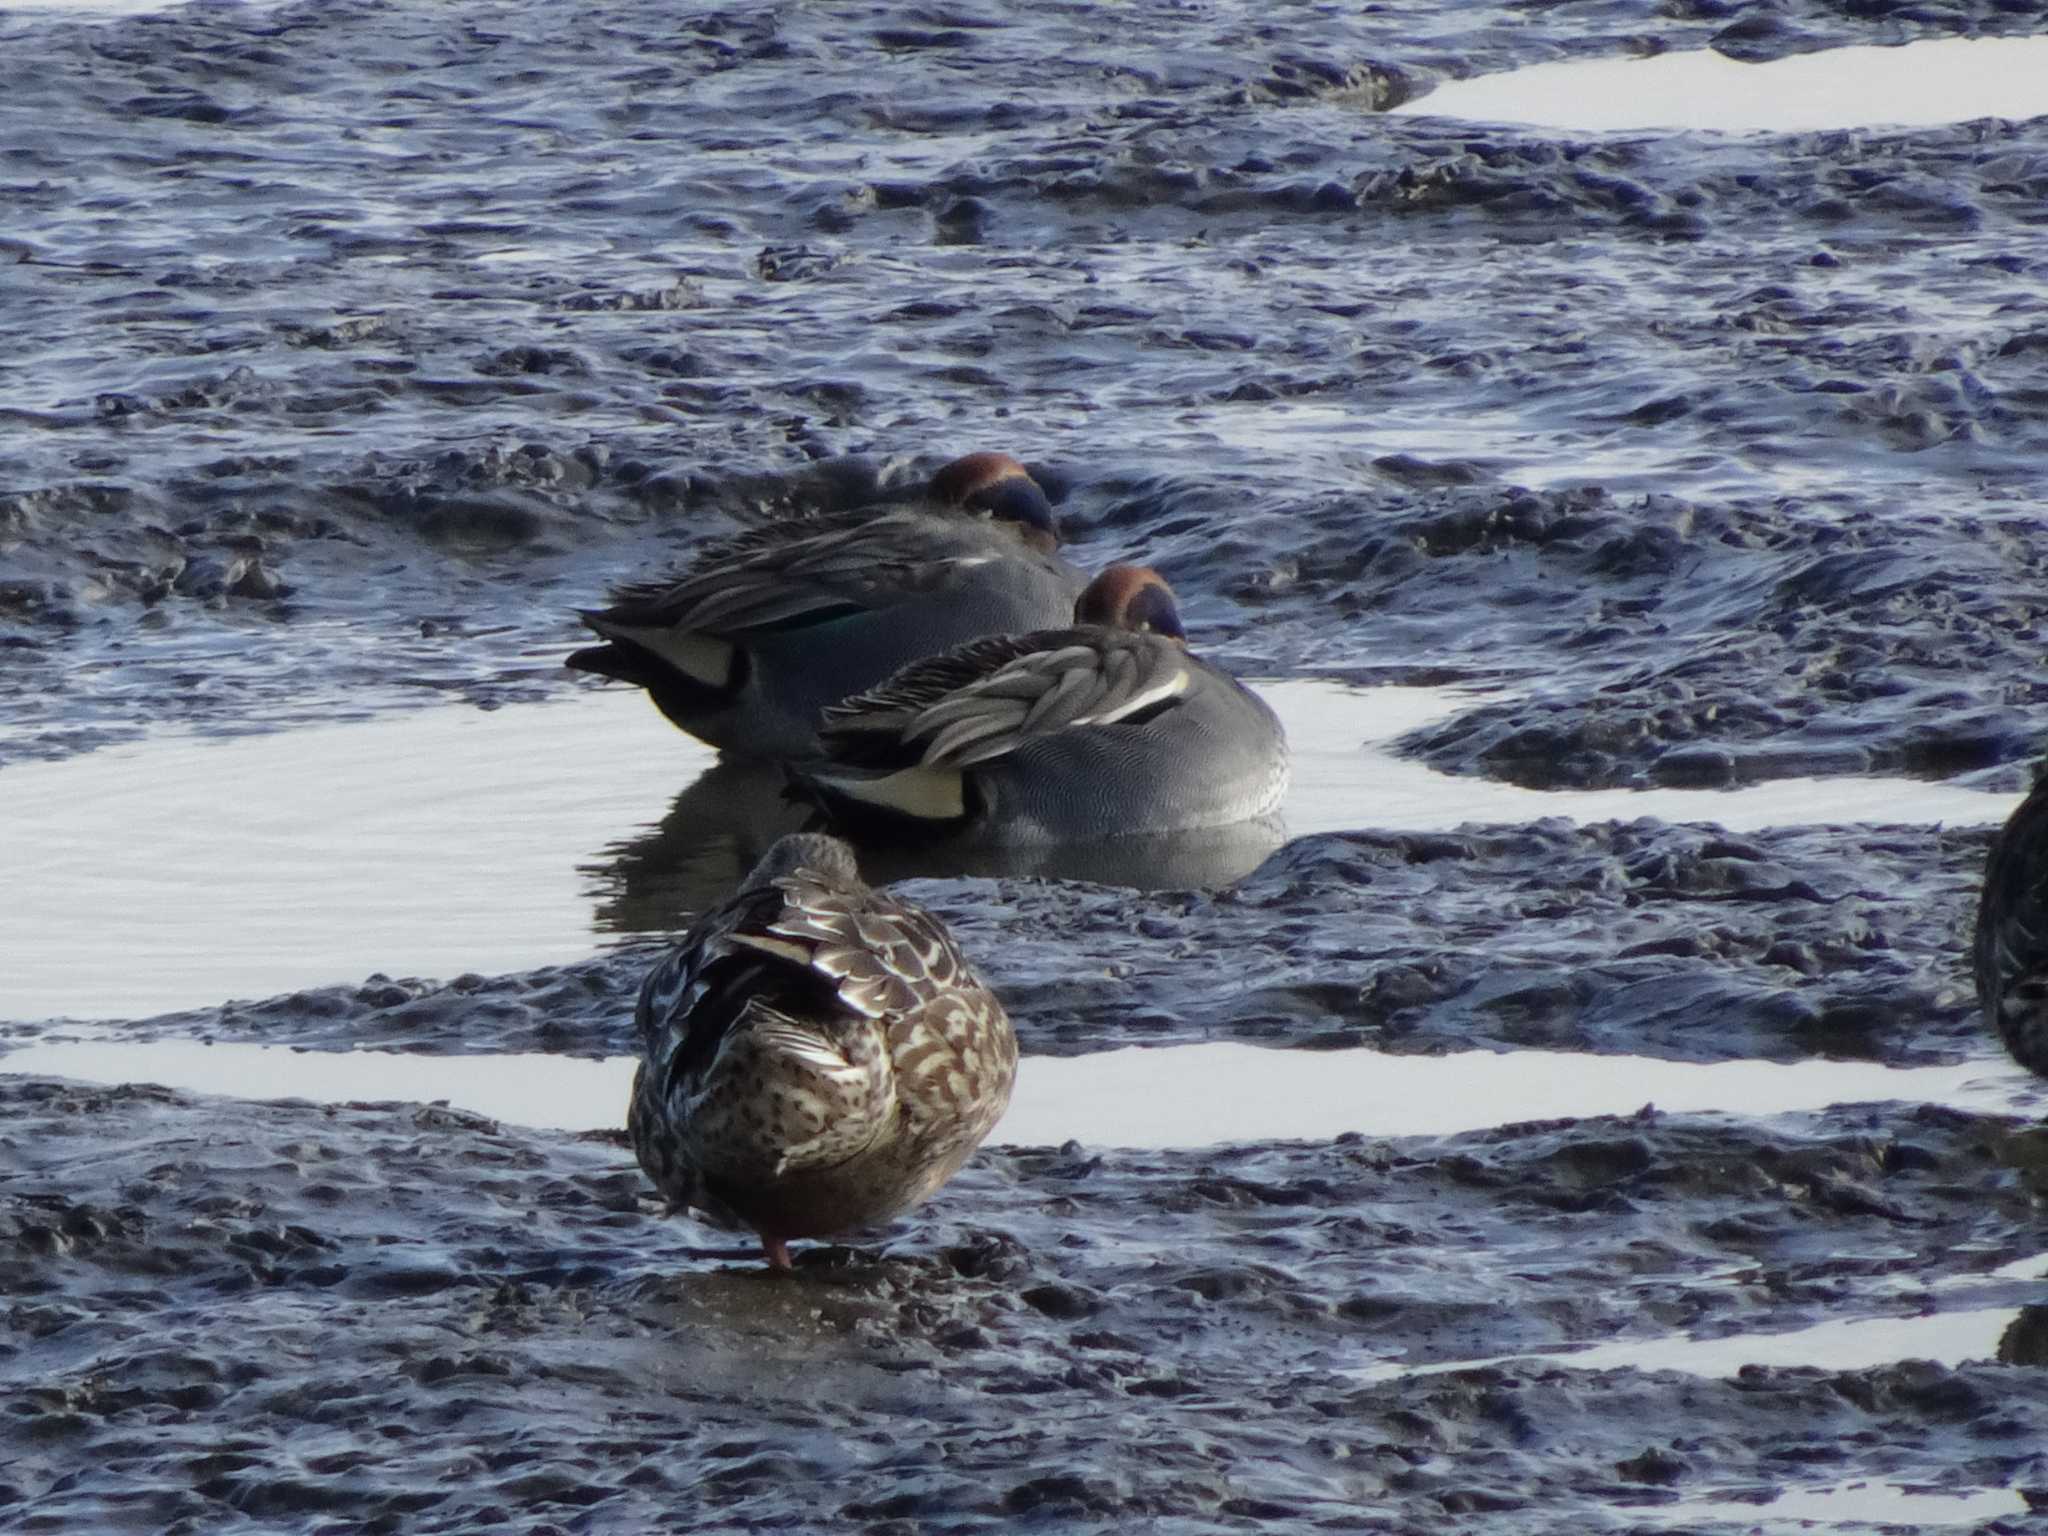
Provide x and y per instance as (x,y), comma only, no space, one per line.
(1862,1504)
(94,10)
(1497,437)
(1947,80)
(181,872)
(1159,1098)
(1843,1344)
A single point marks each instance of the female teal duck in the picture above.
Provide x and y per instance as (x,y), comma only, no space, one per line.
(1105,728)
(767,627)
(2011,949)
(816,1056)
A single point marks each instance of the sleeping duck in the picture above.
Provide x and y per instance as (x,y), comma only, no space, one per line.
(1107,727)
(767,627)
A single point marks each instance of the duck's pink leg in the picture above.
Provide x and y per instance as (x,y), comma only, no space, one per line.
(777,1251)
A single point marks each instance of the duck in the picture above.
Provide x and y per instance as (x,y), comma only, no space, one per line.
(768,626)
(2010,949)
(816,1056)
(1106,728)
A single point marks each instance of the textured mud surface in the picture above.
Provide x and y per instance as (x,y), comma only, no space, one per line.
(351,345)
(294,1316)
(399,1318)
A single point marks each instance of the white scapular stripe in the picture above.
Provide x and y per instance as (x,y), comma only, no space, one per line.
(933,794)
(1158,693)
(704,658)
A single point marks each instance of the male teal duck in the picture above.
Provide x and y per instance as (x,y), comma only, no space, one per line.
(767,627)
(816,1056)
(1106,728)
(2011,949)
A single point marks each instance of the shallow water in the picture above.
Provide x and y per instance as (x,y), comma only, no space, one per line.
(178,872)
(89,10)
(1846,1344)
(1164,1097)
(1920,84)
(1879,1504)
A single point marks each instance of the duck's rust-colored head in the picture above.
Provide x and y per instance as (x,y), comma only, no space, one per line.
(1133,597)
(1000,487)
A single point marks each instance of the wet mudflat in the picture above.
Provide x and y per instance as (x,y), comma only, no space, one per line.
(353,345)
(320,1316)
(358,342)
(394,1317)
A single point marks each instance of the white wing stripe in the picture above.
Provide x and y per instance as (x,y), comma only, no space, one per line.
(1170,688)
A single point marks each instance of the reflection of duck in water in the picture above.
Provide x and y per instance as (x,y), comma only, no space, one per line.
(817,1056)
(715,831)
(767,627)
(2011,948)
(722,823)
(1103,729)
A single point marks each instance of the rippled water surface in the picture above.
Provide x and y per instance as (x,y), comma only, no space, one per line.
(1576,1117)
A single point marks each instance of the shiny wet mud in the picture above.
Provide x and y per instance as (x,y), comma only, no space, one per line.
(355,344)
(249,1314)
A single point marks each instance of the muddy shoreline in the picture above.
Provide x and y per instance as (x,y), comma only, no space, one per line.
(357,344)
(407,1315)
(374,459)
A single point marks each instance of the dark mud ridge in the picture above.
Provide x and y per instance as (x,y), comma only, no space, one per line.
(1677,941)
(227,1317)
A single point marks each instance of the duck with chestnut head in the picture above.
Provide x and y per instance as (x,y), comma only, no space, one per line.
(765,628)
(1106,727)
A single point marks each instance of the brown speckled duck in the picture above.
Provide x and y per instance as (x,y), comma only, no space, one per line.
(766,628)
(2011,949)
(1104,729)
(816,1056)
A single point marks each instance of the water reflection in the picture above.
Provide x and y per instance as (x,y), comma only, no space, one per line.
(711,835)
(726,817)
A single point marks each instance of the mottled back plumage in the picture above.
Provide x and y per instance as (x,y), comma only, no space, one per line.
(2011,948)
(816,1055)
